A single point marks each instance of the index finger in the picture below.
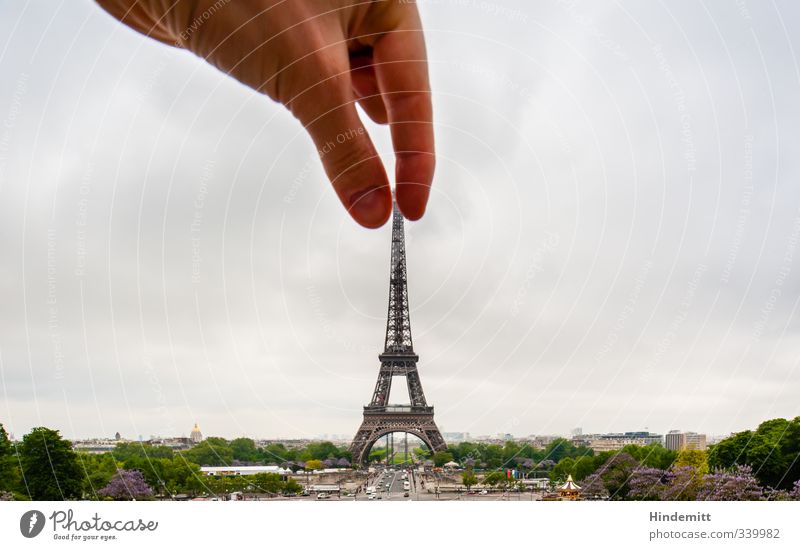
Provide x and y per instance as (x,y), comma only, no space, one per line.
(401,67)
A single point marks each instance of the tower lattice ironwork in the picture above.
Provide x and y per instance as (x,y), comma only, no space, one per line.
(398,359)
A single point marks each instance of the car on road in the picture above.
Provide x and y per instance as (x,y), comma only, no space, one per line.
(405,494)
(323,496)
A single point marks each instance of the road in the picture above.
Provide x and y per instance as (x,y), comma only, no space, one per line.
(389,485)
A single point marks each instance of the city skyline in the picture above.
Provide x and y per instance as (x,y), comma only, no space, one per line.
(612,232)
(449,436)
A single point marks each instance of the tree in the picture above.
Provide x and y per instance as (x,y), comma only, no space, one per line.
(377,454)
(277,453)
(214,451)
(730,451)
(693,458)
(322,450)
(124,451)
(615,475)
(772,450)
(563,469)
(790,448)
(765,455)
(9,470)
(511,452)
(652,456)
(268,483)
(593,487)
(441,458)
(98,469)
(182,476)
(127,485)
(50,467)
(739,484)
(684,483)
(244,449)
(468,478)
(226,485)
(561,448)
(647,483)
(584,467)
(419,452)
(314,464)
(293,487)
(153,470)
(492,455)
(794,494)
(494,478)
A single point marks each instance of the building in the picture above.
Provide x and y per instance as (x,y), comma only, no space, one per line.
(196,436)
(455,436)
(95,446)
(676,440)
(174,443)
(576,432)
(616,441)
(537,483)
(541,441)
(243,470)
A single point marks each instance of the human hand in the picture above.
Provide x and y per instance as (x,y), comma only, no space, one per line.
(318,57)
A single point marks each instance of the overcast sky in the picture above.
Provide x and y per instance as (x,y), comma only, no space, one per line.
(611,240)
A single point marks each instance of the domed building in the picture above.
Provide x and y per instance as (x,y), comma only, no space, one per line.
(196,436)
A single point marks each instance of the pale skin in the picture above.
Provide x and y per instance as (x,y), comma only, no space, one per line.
(319,58)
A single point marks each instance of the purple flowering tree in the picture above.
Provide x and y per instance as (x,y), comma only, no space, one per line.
(740,484)
(343,463)
(683,484)
(127,485)
(593,487)
(647,483)
(546,464)
(794,494)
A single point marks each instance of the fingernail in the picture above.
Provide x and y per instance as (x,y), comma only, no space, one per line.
(371,207)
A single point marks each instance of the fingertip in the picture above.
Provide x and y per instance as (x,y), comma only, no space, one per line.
(412,199)
(371,207)
(414,174)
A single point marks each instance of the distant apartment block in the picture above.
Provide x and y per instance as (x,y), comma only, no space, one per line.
(95,446)
(676,440)
(616,441)
(541,441)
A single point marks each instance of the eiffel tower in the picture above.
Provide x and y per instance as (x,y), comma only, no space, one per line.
(398,359)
